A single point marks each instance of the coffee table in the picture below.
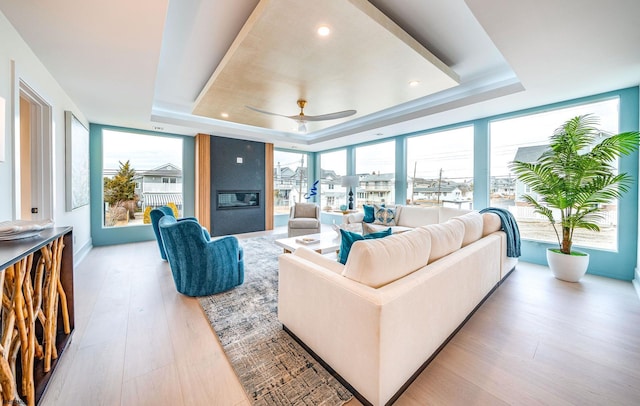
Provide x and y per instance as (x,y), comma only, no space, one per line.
(326,243)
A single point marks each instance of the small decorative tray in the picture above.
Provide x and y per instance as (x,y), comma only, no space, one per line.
(307,240)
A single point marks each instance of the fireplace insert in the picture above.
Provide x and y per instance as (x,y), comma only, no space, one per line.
(238,199)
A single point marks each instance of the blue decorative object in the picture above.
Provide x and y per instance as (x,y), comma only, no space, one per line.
(200,267)
(313,191)
(368,213)
(159,212)
(510,227)
(348,238)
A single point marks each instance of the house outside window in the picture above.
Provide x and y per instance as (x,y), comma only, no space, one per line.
(440,168)
(140,172)
(333,166)
(375,165)
(525,138)
(289,178)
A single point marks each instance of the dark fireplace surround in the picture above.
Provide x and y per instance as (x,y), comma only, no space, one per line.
(237,186)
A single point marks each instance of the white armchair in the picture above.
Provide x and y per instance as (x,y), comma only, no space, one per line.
(304,218)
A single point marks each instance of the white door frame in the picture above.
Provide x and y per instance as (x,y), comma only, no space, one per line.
(41,151)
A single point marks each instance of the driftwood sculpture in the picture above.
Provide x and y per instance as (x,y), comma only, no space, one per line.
(30,292)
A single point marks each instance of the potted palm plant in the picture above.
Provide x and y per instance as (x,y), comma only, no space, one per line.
(574,176)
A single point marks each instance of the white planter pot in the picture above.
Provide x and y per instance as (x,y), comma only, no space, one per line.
(568,268)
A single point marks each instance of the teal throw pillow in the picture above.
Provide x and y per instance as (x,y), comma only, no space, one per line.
(384,215)
(368,213)
(348,238)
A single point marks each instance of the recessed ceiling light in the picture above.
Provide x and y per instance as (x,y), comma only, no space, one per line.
(224,115)
(156,128)
(414,83)
(323,31)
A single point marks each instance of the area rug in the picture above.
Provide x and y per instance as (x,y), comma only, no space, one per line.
(272,367)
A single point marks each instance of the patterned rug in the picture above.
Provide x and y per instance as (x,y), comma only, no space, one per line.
(272,367)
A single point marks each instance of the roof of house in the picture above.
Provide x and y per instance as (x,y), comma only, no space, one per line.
(530,154)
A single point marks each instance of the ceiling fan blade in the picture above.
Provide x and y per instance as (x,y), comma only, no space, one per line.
(322,117)
(266,112)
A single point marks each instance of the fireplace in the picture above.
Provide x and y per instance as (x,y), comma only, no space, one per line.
(238,199)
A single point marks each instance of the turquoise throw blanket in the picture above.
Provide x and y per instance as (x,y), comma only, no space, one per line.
(510,227)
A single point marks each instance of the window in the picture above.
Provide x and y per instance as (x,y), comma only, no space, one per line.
(440,168)
(375,165)
(333,166)
(140,172)
(290,179)
(525,138)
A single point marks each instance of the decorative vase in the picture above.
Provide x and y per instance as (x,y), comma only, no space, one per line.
(569,268)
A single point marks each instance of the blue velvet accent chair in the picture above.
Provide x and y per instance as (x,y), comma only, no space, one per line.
(158,213)
(201,267)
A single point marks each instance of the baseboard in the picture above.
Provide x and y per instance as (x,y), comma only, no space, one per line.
(82,253)
(636,282)
(415,375)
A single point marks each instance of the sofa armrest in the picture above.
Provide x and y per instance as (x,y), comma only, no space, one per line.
(319,259)
(355,218)
(506,263)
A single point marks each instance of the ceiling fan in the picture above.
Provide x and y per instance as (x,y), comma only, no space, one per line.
(302,118)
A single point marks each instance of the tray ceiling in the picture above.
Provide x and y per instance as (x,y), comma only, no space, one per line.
(366,63)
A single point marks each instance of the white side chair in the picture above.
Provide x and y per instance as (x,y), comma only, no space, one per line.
(304,218)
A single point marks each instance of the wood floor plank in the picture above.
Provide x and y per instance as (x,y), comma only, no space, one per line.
(156,387)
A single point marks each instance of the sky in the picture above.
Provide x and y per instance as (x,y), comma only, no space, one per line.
(143,151)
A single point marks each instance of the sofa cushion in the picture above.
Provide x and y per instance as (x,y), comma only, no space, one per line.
(491,223)
(473,225)
(376,263)
(446,213)
(303,222)
(369,213)
(348,238)
(416,216)
(445,238)
(384,215)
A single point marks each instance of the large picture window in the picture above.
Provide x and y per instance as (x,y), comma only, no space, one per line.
(375,167)
(440,169)
(525,138)
(333,167)
(289,178)
(140,172)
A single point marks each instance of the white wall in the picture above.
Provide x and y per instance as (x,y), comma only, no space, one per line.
(31,71)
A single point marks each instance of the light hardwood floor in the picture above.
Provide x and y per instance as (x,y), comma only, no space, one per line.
(536,341)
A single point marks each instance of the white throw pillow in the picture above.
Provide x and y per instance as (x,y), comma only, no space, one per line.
(445,238)
(381,261)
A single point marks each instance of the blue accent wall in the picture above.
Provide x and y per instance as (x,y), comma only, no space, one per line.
(118,235)
(481,163)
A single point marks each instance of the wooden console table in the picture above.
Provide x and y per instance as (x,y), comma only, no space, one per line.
(36,277)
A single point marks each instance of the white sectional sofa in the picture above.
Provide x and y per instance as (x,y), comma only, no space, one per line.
(378,319)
